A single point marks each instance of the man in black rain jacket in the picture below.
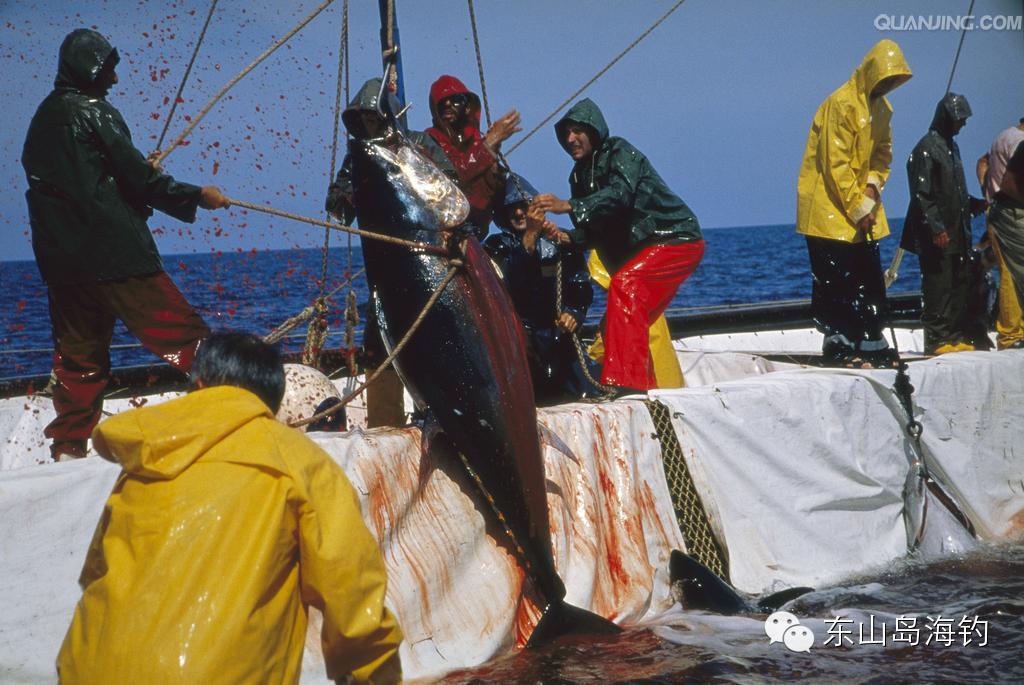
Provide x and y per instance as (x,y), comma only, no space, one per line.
(938,228)
(530,266)
(90,194)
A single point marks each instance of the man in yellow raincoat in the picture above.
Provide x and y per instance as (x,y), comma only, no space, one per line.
(839,207)
(224,526)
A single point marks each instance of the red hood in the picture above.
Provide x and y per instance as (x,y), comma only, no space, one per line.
(447,86)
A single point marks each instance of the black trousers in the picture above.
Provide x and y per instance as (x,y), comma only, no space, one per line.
(945,286)
(848,297)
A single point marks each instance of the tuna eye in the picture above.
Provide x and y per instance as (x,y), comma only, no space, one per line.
(394,169)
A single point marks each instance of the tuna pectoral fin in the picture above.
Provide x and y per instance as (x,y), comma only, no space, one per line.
(560,619)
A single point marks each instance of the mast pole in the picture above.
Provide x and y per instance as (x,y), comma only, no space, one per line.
(390,48)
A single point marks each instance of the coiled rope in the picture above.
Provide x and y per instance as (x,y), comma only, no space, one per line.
(316,334)
(456,264)
(279,333)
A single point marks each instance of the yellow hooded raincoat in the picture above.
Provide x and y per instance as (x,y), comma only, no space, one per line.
(223,526)
(848,148)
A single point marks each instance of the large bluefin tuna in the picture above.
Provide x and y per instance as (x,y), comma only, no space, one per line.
(467,361)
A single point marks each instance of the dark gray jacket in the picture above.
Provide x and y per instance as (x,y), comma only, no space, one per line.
(90,190)
(939,201)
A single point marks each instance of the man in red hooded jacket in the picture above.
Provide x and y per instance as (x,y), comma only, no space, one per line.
(456,114)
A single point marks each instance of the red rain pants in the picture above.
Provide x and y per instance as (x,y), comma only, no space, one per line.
(638,294)
(82,318)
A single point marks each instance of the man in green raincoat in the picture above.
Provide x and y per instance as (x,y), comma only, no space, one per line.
(646,236)
(90,194)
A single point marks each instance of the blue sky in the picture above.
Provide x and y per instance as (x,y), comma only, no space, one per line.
(720,96)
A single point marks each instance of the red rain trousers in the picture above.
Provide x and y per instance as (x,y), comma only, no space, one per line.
(639,293)
(83,316)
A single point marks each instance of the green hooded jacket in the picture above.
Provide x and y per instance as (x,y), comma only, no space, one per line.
(620,205)
(939,200)
(90,190)
(339,193)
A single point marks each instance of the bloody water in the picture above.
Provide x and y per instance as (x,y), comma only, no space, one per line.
(696,647)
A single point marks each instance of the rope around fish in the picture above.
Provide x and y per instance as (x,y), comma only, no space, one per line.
(456,264)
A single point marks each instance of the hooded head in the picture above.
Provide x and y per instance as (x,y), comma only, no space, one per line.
(951,114)
(84,54)
(586,114)
(361,115)
(883,69)
(517,191)
(449,86)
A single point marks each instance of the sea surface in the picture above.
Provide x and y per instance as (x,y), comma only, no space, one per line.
(257,291)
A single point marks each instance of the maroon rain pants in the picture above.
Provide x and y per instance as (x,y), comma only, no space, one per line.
(638,294)
(82,318)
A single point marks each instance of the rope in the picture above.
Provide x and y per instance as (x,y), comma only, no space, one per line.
(892,273)
(904,391)
(963,34)
(216,98)
(426,247)
(278,333)
(597,76)
(581,355)
(479,64)
(188,70)
(456,264)
(316,335)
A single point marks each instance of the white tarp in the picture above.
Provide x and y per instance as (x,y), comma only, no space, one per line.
(802,471)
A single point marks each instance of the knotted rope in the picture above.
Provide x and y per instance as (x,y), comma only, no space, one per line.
(456,264)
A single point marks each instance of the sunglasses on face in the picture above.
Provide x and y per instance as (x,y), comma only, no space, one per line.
(459,100)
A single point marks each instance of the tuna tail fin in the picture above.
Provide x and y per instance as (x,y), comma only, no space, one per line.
(696,586)
(560,619)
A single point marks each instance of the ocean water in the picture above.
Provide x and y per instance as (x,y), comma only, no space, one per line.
(962,622)
(257,291)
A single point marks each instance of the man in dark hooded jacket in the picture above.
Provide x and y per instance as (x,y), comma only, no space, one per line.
(938,228)
(647,237)
(456,114)
(529,265)
(90,194)
(363,121)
